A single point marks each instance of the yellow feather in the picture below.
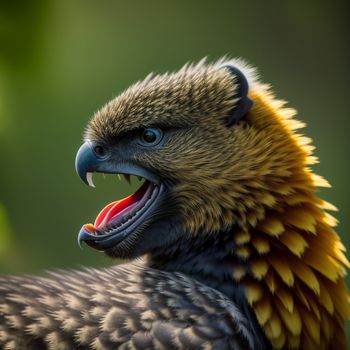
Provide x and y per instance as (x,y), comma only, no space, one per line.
(327,206)
(259,267)
(291,320)
(300,293)
(242,237)
(296,198)
(322,263)
(295,124)
(262,245)
(286,298)
(330,244)
(294,241)
(340,297)
(339,245)
(287,114)
(339,266)
(319,181)
(272,226)
(325,299)
(278,343)
(252,219)
(254,292)
(330,220)
(263,310)
(273,328)
(322,243)
(303,272)
(311,324)
(283,189)
(306,254)
(304,140)
(281,266)
(271,282)
(327,233)
(267,199)
(243,252)
(311,160)
(315,307)
(340,256)
(300,218)
(326,326)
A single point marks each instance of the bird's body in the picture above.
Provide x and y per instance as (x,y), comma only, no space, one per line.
(127,307)
(238,251)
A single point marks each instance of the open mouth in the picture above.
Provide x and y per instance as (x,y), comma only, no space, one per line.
(119,219)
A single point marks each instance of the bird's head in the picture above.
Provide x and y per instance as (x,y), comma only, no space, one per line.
(187,135)
(201,141)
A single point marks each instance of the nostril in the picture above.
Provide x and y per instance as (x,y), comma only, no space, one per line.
(99,150)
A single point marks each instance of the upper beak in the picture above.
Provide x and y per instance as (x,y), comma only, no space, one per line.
(87,162)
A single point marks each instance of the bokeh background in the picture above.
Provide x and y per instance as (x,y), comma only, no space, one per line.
(60,60)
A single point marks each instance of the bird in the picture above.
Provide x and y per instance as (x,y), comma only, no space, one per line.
(227,241)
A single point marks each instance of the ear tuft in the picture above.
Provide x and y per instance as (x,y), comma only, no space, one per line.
(244,103)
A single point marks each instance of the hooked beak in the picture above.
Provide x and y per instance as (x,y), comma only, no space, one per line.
(87,162)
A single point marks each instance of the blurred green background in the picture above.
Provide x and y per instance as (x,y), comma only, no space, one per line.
(60,60)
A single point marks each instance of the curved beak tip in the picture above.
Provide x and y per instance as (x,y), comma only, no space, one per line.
(80,239)
(83,236)
(85,163)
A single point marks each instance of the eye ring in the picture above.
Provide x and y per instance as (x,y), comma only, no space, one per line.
(99,151)
(151,136)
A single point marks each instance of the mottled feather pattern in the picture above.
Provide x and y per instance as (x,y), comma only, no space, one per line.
(124,307)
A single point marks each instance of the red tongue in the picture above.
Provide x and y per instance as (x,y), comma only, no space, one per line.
(104,212)
(112,209)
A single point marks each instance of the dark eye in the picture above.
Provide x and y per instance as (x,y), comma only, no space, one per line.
(99,150)
(151,136)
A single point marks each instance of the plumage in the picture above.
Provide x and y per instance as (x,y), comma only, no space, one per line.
(146,309)
(238,250)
